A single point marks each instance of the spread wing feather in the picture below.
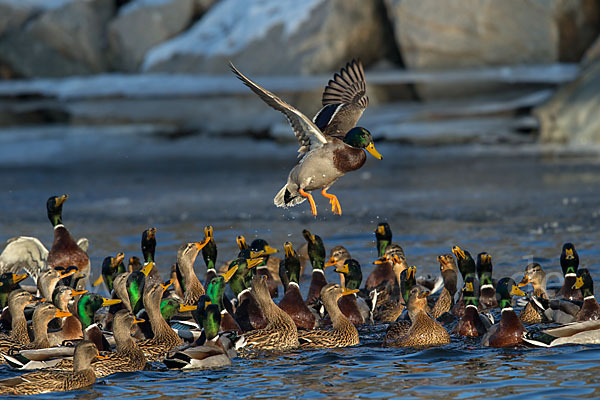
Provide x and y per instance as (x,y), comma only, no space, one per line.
(347,86)
(307,133)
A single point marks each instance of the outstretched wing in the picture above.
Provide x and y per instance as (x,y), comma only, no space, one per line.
(307,133)
(344,101)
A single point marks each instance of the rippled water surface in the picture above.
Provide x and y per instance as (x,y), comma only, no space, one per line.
(516,203)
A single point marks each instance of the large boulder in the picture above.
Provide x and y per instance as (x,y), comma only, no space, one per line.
(434,34)
(276,37)
(141,25)
(67,39)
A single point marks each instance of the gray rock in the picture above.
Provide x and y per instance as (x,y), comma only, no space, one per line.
(434,34)
(275,37)
(141,25)
(573,115)
(202,6)
(66,40)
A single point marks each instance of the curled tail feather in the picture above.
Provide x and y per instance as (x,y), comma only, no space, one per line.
(285,198)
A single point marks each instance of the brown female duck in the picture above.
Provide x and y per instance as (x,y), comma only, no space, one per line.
(48,280)
(533,313)
(165,339)
(17,301)
(193,289)
(337,257)
(509,331)
(424,330)
(343,333)
(449,271)
(383,273)
(281,332)
(292,302)
(64,251)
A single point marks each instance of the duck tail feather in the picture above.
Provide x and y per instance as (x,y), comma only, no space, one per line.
(285,198)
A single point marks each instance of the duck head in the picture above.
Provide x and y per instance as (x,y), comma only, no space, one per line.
(506,288)
(361,138)
(209,252)
(149,244)
(466,264)
(316,249)
(383,234)
(54,208)
(291,263)
(569,260)
(584,282)
(88,304)
(352,273)
(484,269)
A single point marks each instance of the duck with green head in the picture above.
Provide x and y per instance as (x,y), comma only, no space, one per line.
(65,251)
(569,262)
(383,234)
(86,308)
(470,324)
(590,310)
(134,284)
(148,245)
(487,292)
(353,307)
(247,312)
(292,302)
(216,292)
(325,156)
(209,254)
(509,331)
(260,248)
(316,254)
(8,283)
(111,267)
(467,268)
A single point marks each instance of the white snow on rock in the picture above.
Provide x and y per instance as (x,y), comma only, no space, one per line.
(37,4)
(231,24)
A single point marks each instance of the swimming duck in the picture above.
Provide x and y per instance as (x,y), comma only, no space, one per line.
(261,248)
(470,324)
(448,270)
(390,310)
(337,257)
(533,312)
(148,245)
(590,310)
(487,292)
(247,312)
(111,267)
(186,255)
(292,302)
(127,356)
(134,284)
(9,282)
(45,381)
(569,262)
(509,331)
(68,328)
(64,251)
(316,254)
(165,339)
(281,332)
(216,292)
(211,353)
(17,301)
(383,273)
(343,333)
(325,157)
(48,280)
(424,331)
(585,332)
(466,266)
(209,253)
(353,307)
(42,315)
(383,234)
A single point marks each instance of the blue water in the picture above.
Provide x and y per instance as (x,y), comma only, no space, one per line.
(518,204)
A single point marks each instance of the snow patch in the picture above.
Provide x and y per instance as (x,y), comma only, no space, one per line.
(231,25)
(37,4)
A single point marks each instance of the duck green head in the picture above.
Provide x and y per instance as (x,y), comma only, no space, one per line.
(260,248)
(168,308)
(135,287)
(291,263)
(212,321)
(484,269)
(383,234)
(361,138)
(352,273)
(216,287)
(8,283)
(408,280)
(506,288)
(466,264)
(54,208)
(242,275)
(149,244)
(111,267)
(468,292)
(569,260)
(209,252)
(584,282)
(316,249)
(88,304)
(241,242)
(199,313)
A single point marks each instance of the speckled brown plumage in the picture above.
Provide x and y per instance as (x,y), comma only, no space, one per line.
(343,333)
(17,300)
(280,333)
(534,275)
(443,304)
(186,255)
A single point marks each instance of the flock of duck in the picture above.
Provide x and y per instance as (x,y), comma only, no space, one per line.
(67,336)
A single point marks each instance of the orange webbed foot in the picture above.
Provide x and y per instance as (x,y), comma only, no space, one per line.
(313,206)
(336,208)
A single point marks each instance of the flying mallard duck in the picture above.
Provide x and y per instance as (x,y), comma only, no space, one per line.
(330,144)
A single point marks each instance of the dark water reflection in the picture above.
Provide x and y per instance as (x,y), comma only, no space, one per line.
(519,204)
